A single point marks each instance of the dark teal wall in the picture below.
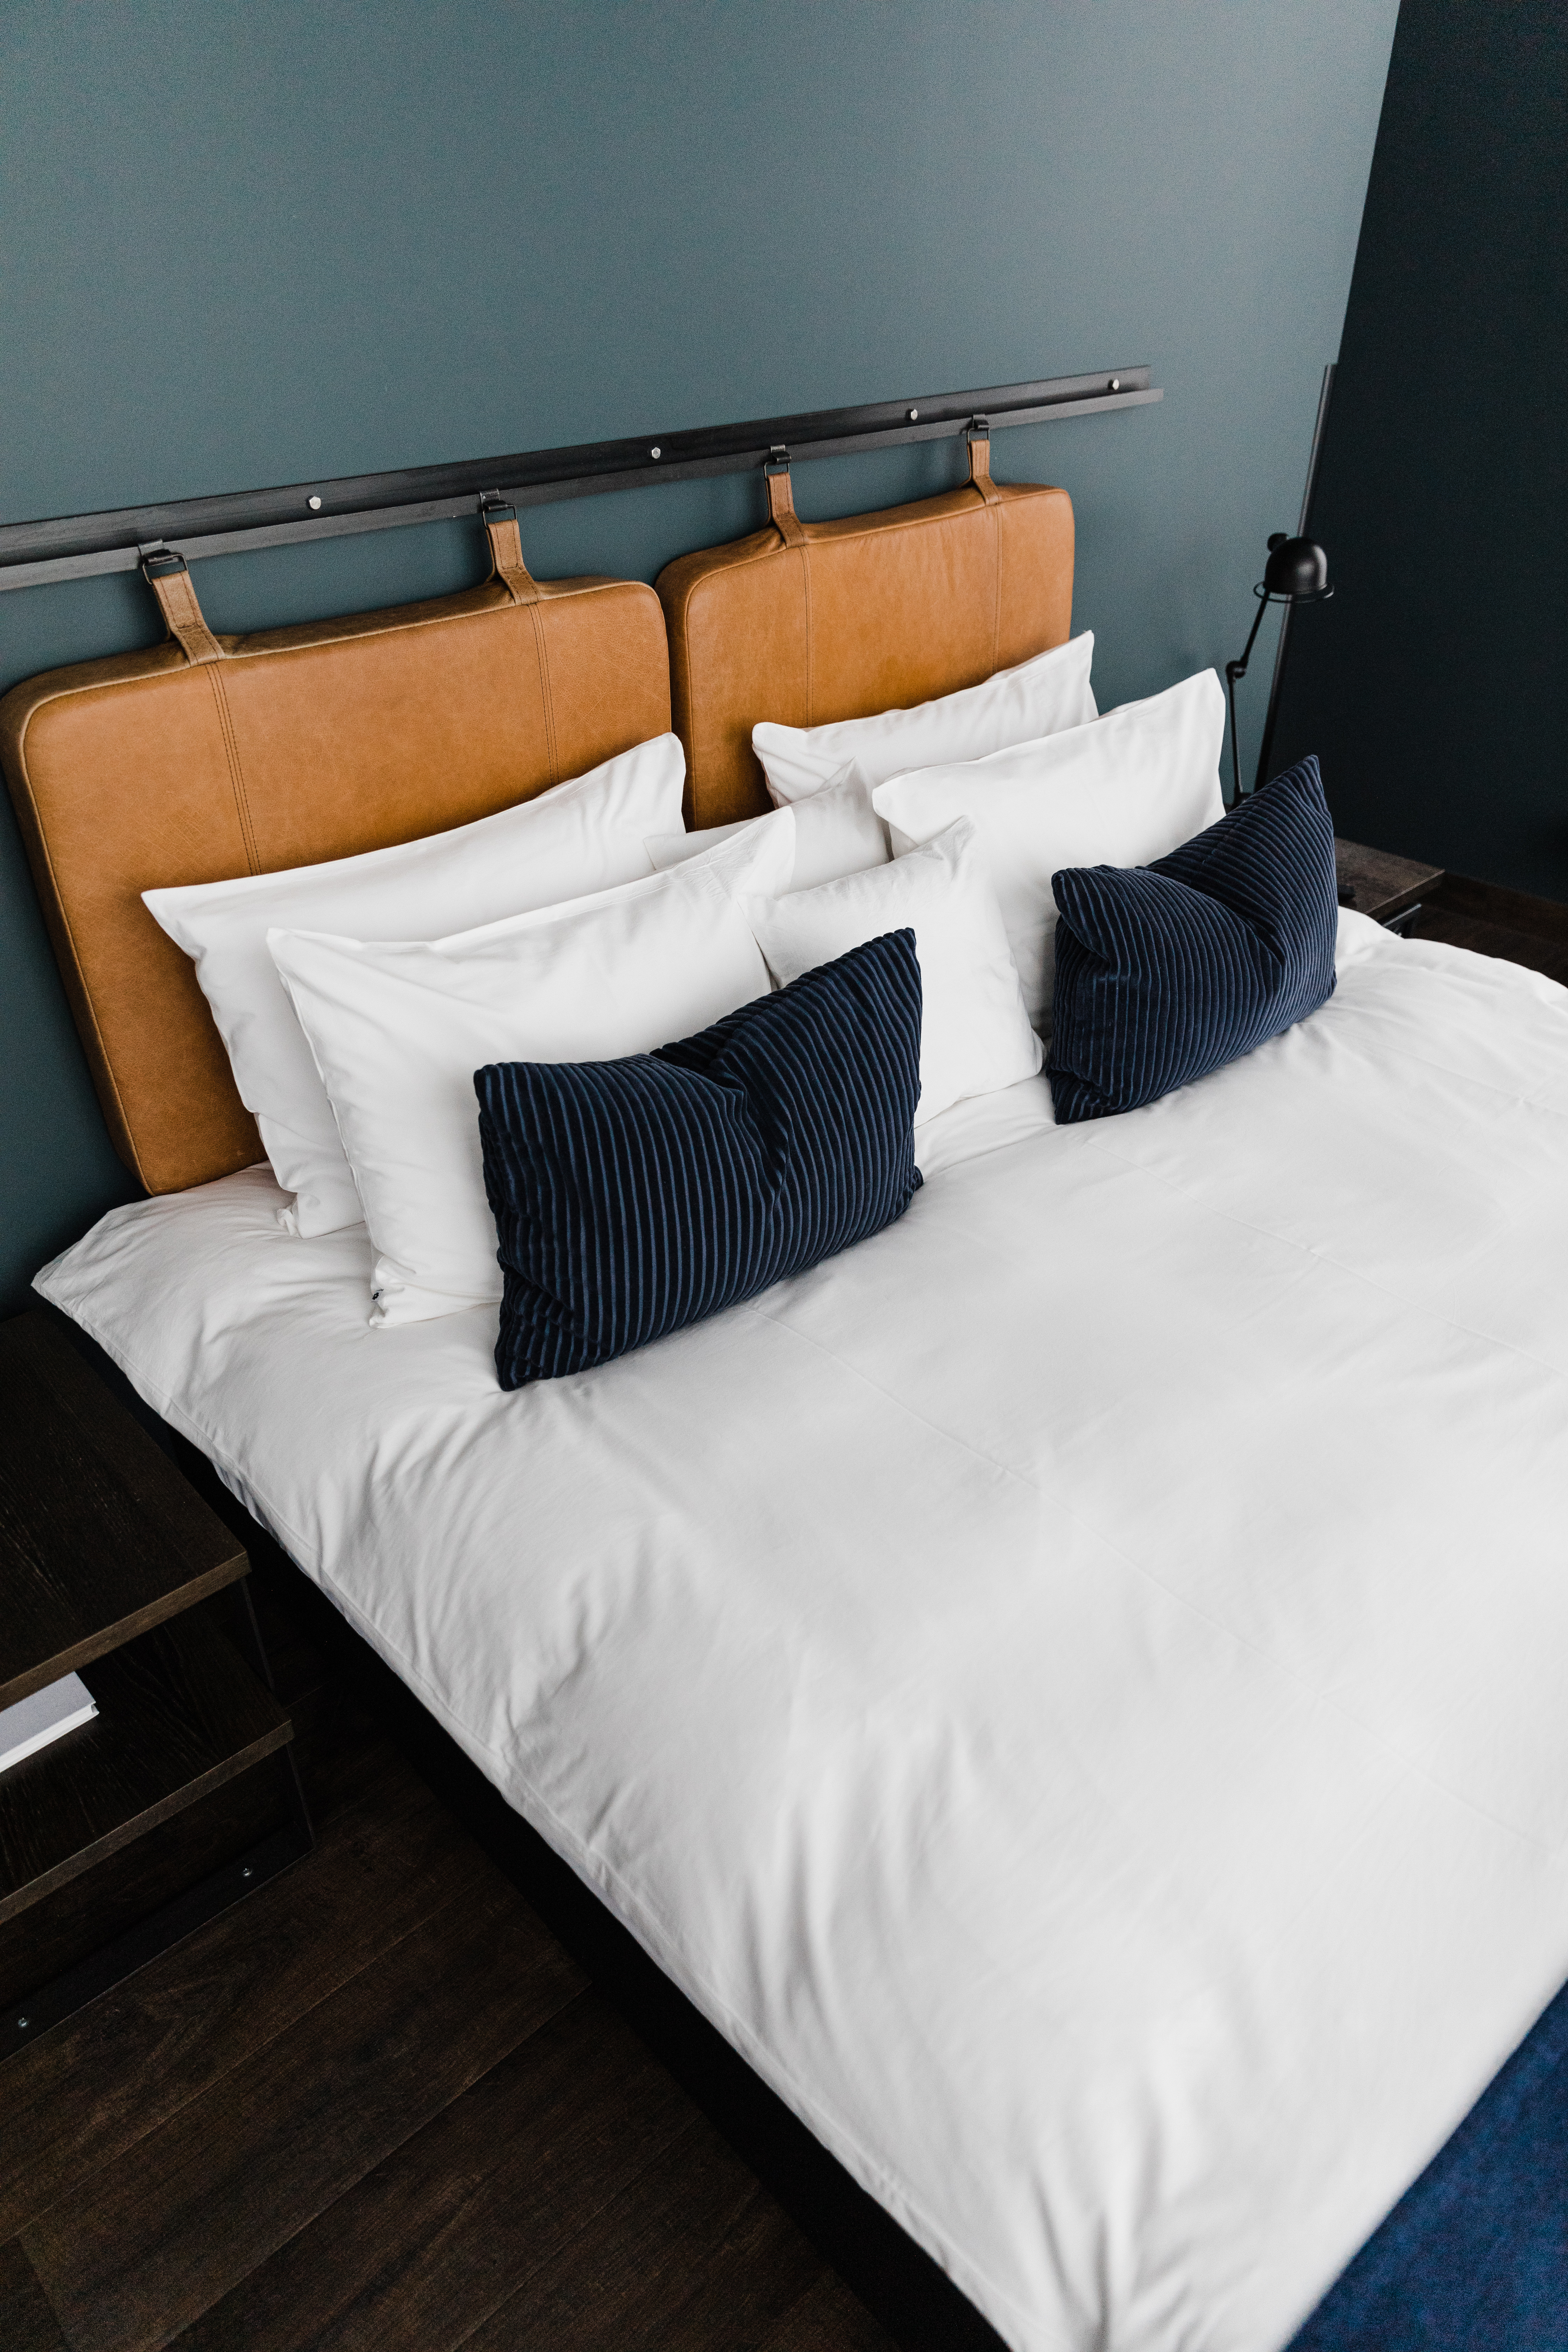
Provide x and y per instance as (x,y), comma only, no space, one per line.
(1434,686)
(290,238)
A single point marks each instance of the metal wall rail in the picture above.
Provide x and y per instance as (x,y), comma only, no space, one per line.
(74,547)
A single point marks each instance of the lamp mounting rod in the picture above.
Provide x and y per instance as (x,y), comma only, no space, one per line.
(1303,530)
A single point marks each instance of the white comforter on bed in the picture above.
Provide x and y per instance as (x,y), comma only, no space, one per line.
(1073,1687)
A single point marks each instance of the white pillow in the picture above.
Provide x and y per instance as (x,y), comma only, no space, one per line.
(398,1029)
(586,834)
(1040,697)
(974,1033)
(837,832)
(1120,792)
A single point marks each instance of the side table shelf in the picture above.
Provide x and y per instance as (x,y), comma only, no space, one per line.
(112,1567)
(1376,883)
(179,1712)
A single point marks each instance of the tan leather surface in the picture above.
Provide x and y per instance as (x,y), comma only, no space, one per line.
(291,746)
(506,561)
(980,469)
(183,618)
(781,510)
(871,613)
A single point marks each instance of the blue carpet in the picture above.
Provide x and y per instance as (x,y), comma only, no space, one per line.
(1473,2257)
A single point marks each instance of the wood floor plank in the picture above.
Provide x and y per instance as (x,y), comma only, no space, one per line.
(341,1761)
(27,2323)
(108,1901)
(1514,910)
(1462,930)
(297,1663)
(163,2234)
(827,2318)
(126,2063)
(433,2241)
(694,2256)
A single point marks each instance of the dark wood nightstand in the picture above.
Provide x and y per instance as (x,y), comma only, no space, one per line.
(112,1567)
(1378,884)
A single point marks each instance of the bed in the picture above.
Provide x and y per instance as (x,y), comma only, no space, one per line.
(1069,1688)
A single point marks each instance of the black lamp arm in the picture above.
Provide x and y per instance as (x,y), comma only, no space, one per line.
(1234,671)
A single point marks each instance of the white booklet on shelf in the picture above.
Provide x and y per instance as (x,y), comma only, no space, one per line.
(48,1715)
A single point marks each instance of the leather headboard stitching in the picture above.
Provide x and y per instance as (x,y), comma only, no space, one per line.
(507,566)
(980,477)
(283,749)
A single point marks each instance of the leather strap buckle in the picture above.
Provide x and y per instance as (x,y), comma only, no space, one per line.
(167,574)
(781,497)
(978,436)
(506,549)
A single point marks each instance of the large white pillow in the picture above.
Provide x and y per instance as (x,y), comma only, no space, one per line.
(836,831)
(1123,791)
(1040,697)
(583,835)
(398,1029)
(974,1033)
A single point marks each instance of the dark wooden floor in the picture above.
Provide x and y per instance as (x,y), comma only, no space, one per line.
(379,2106)
(1496,922)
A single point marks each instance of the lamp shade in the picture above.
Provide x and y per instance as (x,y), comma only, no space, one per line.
(1296,567)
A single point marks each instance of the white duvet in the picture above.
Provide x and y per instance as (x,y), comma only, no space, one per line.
(1074,1687)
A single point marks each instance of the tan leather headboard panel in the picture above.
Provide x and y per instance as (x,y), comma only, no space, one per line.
(807,623)
(280,749)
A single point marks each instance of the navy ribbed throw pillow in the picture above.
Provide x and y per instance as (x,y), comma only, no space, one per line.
(1165,971)
(633,1197)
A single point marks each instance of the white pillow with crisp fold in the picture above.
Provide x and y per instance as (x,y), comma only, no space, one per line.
(837,832)
(974,1033)
(582,835)
(398,1029)
(1123,791)
(1040,696)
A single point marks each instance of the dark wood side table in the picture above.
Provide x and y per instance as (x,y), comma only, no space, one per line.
(1378,884)
(112,1568)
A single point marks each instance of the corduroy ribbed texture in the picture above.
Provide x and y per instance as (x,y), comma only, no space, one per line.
(635,1196)
(1473,2257)
(1166,971)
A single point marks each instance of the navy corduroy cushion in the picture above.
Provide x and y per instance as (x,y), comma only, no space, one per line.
(1166,971)
(1473,2257)
(633,1197)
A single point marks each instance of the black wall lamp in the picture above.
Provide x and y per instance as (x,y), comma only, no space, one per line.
(1297,573)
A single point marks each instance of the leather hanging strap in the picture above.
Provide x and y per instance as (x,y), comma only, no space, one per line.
(979,439)
(506,553)
(781,499)
(165,575)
